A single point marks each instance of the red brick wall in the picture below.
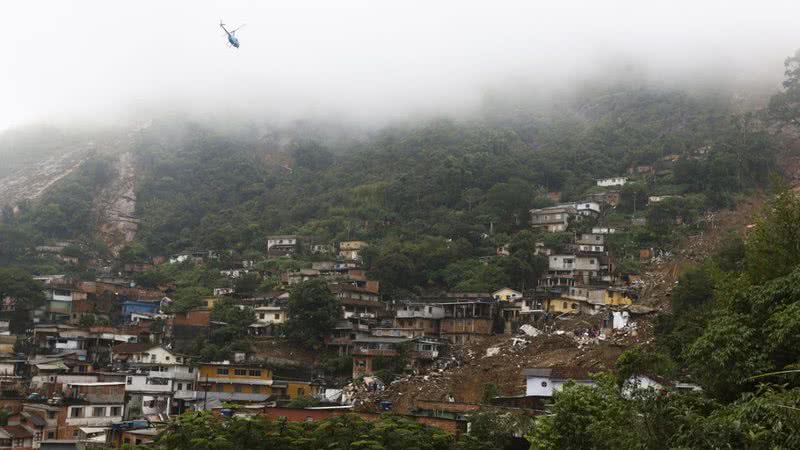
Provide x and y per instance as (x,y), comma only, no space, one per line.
(198,318)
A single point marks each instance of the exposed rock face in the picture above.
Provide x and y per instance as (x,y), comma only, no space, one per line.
(116,205)
(31,182)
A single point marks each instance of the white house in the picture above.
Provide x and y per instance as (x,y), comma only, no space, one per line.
(160,386)
(270,314)
(282,245)
(543,382)
(603,230)
(553,219)
(507,294)
(145,353)
(234,273)
(614,181)
(561,262)
(94,415)
(588,208)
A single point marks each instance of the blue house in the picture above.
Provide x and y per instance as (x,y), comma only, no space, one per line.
(139,306)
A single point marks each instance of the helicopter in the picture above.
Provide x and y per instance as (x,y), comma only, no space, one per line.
(232,39)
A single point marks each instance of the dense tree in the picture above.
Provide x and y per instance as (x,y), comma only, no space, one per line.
(313,311)
(785,106)
(584,417)
(187,298)
(18,285)
(773,246)
(205,431)
(641,360)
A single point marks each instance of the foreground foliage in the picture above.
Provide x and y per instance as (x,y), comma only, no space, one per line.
(205,431)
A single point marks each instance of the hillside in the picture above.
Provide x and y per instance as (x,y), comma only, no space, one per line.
(430,198)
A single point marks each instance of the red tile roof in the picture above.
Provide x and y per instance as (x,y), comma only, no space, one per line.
(17,431)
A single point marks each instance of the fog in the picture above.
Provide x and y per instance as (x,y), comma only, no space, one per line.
(368,61)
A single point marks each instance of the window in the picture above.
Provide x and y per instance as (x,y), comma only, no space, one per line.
(116,411)
(219,387)
(277,316)
(51,435)
(574,306)
(76,412)
(167,358)
(255,373)
(564,305)
(51,414)
(153,358)
(98,411)
(191,369)
(130,381)
(180,386)
(240,372)
(544,383)
(75,433)
(222,371)
(237,388)
(188,386)
(301,392)
(261,315)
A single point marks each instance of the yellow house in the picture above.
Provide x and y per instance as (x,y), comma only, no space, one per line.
(565,305)
(506,294)
(247,382)
(209,302)
(616,297)
(296,389)
(235,381)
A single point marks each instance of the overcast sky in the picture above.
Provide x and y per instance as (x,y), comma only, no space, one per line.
(359,59)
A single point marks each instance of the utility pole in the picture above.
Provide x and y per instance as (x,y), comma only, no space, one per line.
(205,394)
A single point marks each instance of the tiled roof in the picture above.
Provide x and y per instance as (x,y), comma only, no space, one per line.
(17,431)
(133,347)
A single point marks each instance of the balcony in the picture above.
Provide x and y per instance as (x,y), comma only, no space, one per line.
(426,354)
(436,313)
(142,383)
(354,315)
(180,375)
(186,395)
(374,351)
(233,396)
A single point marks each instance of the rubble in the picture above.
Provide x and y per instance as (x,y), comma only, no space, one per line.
(575,340)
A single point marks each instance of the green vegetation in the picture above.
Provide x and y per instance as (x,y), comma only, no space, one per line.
(204,431)
(733,325)
(312,313)
(584,417)
(17,284)
(434,200)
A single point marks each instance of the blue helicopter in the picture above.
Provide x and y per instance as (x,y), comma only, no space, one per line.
(232,39)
